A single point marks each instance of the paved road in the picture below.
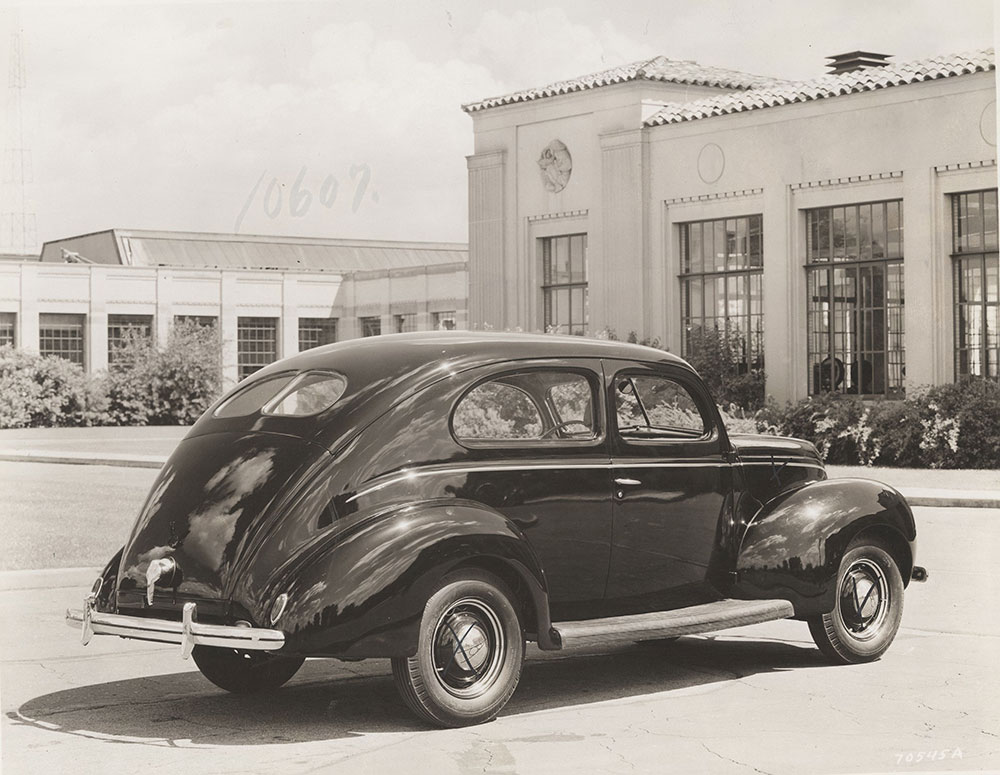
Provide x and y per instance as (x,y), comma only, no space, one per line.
(753,700)
(57,516)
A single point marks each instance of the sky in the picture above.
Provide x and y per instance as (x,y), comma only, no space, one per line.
(342,119)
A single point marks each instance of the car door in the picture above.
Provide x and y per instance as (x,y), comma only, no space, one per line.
(671,484)
(537,452)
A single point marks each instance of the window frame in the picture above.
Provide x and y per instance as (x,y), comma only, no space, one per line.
(547,246)
(892,264)
(8,322)
(321,326)
(364,320)
(960,258)
(593,381)
(82,318)
(693,388)
(241,327)
(145,324)
(753,338)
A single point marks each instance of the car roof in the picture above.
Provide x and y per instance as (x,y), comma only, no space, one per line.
(429,351)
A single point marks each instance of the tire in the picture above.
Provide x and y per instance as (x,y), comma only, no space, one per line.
(469,652)
(868,609)
(244,672)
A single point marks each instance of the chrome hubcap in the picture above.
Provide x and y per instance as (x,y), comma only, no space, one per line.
(468,648)
(864,599)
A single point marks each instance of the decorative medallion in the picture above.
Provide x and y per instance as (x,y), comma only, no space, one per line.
(988,124)
(711,163)
(556,165)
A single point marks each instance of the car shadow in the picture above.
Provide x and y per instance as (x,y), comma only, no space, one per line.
(330,700)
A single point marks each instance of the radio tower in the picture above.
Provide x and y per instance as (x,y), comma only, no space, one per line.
(17,223)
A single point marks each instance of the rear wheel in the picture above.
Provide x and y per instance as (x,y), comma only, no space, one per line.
(469,652)
(868,609)
(244,672)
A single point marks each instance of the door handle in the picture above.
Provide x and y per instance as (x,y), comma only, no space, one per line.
(626,481)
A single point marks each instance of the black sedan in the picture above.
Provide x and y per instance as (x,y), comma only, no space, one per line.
(440,499)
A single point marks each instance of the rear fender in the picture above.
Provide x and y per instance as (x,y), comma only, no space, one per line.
(361,592)
(109,580)
(793,546)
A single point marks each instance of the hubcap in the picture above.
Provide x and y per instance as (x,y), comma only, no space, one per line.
(468,648)
(864,599)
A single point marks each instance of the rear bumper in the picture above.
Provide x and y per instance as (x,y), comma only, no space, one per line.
(188,633)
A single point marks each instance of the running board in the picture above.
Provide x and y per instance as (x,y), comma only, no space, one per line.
(719,615)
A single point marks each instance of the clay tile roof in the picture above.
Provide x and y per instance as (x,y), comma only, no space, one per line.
(869,79)
(656,69)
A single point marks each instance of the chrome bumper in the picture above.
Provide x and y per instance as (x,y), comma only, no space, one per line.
(187,632)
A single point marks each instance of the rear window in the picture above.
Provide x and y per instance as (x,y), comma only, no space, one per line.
(309,394)
(251,398)
(287,395)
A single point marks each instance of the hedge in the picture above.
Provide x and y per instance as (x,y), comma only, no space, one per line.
(949,426)
(145,385)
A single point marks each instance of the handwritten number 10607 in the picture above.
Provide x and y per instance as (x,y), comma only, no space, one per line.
(300,197)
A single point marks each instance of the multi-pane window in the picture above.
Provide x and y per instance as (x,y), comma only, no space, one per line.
(405,323)
(314,332)
(203,321)
(371,326)
(122,328)
(256,344)
(564,284)
(854,257)
(8,328)
(61,335)
(444,321)
(977,284)
(722,286)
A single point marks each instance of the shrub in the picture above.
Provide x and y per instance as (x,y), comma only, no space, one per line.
(718,356)
(169,386)
(961,425)
(46,391)
(950,426)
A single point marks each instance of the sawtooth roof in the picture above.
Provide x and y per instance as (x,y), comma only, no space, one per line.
(240,251)
(867,79)
(656,69)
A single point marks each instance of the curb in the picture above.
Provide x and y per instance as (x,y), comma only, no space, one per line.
(83,459)
(49,578)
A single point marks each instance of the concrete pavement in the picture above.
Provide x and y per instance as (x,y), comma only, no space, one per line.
(758,699)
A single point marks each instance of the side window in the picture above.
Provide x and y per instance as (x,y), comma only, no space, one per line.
(537,405)
(650,407)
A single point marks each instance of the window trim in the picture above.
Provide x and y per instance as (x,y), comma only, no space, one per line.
(957,257)
(754,358)
(857,310)
(593,381)
(546,244)
(693,390)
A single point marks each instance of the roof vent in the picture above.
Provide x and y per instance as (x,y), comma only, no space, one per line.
(856,60)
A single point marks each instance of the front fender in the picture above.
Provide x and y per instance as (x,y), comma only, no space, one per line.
(793,546)
(361,592)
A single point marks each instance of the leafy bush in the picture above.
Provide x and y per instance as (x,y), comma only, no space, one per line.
(169,386)
(949,426)
(718,356)
(37,391)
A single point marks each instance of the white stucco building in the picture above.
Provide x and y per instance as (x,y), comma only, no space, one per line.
(845,227)
(270,296)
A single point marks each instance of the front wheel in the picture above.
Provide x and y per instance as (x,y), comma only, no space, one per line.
(469,652)
(244,672)
(868,609)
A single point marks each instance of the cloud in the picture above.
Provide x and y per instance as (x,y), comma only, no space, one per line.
(169,117)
